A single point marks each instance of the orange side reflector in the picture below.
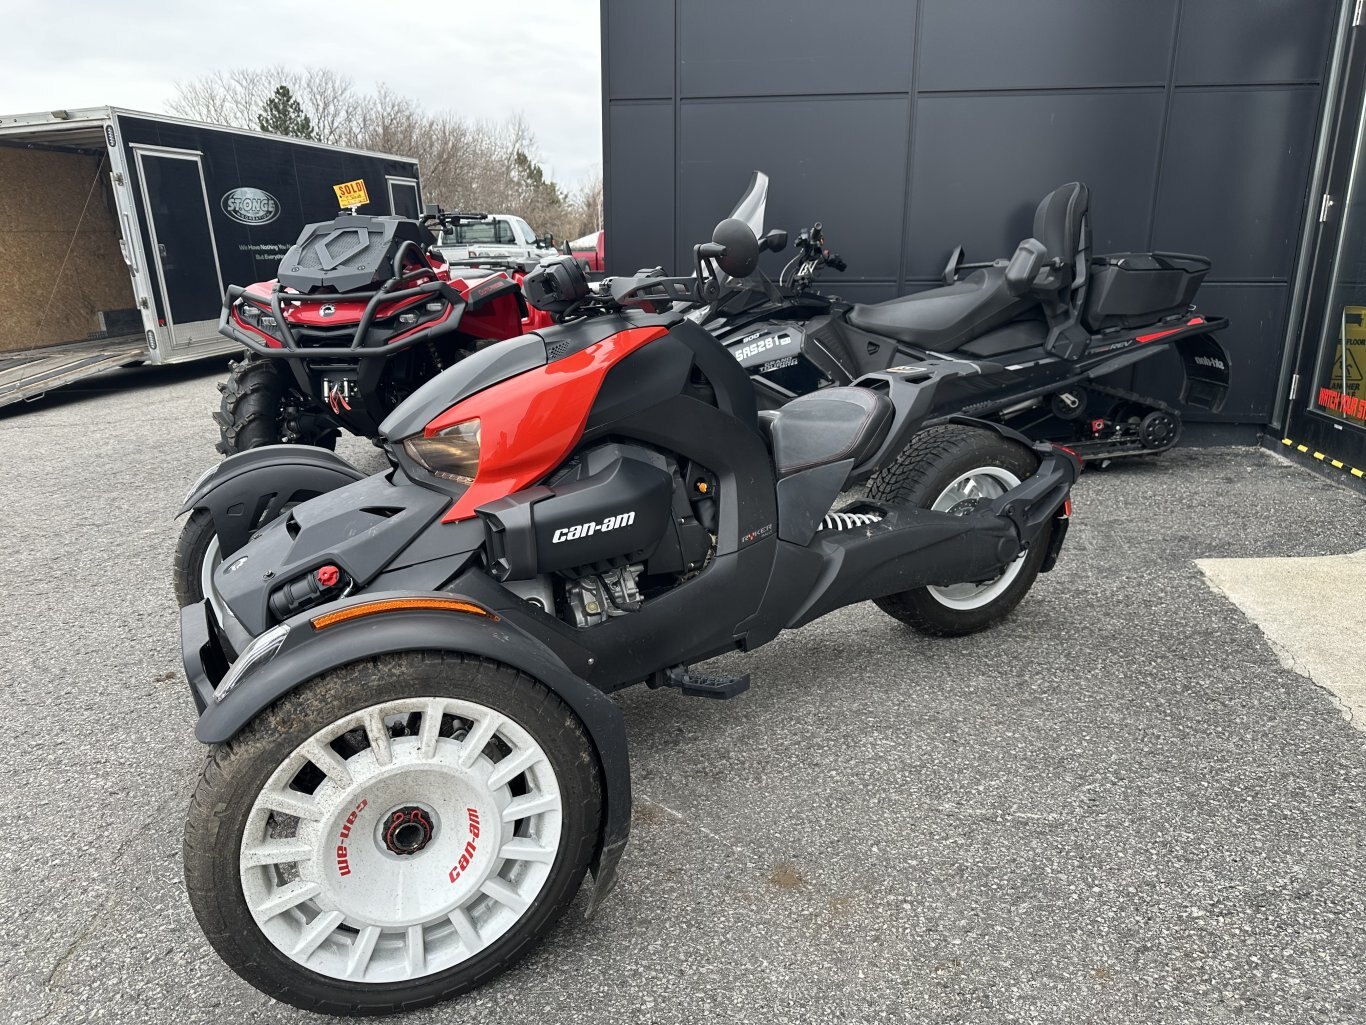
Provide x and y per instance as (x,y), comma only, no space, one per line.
(371,608)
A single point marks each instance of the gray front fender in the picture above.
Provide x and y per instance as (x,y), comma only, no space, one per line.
(253,487)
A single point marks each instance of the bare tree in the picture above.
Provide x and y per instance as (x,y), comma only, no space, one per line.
(493,166)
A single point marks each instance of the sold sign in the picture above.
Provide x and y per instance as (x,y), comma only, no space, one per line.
(351,194)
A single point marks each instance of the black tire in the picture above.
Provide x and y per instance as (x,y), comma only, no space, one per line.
(934,459)
(257,409)
(235,772)
(190,551)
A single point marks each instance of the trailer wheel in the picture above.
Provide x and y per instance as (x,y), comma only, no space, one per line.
(260,406)
(953,469)
(393,833)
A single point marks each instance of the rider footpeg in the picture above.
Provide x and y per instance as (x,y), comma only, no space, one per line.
(699,686)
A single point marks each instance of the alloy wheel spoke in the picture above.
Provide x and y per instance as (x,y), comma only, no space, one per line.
(329,762)
(287,897)
(520,848)
(362,949)
(501,891)
(513,766)
(530,804)
(478,738)
(291,802)
(430,731)
(275,852)
(466,929)
(380,740)
(318,930)
(417,950)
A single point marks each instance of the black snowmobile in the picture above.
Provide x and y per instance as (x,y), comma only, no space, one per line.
(1049,329)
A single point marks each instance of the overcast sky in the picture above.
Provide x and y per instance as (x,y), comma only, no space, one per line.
(478,59)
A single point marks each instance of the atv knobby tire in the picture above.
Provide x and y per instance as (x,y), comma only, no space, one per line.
(234,773)
(933,460)
(254,410)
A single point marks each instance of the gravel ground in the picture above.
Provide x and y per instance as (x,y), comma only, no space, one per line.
(1117,807)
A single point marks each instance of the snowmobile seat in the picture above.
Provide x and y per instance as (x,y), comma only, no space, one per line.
(943,319)
(827,426)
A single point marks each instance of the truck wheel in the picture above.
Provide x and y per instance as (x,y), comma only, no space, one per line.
(953,469)
(393,833)
(260,407)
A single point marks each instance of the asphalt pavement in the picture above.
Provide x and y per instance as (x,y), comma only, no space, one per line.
(1116,807)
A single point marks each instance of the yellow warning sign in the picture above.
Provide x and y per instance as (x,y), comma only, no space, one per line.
(351,193)
(1345,393)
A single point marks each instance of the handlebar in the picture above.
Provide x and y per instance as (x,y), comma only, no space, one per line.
(812,255)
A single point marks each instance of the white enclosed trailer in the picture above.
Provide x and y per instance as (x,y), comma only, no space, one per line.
(120,230)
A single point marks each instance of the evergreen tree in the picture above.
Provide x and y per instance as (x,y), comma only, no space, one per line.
(283,115)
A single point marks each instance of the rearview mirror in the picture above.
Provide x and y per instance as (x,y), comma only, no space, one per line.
(773,242)
(739,254)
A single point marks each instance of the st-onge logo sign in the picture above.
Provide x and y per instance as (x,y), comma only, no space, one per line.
(251,206)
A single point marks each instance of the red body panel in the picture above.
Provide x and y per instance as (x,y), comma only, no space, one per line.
(529,423)
(498,318)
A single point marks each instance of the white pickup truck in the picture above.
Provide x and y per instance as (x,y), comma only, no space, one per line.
(493,237)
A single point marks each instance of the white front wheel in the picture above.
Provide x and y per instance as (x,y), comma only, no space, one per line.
(392,833)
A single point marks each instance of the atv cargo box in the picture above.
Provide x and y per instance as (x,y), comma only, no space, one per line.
(1132,289)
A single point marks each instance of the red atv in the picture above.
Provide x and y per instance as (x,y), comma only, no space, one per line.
(363,312)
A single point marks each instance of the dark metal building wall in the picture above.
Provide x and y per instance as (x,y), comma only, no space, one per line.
(911,126)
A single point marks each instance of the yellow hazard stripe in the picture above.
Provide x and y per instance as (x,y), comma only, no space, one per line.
(1323,458)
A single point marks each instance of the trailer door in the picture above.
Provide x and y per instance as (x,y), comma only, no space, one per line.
(184,252)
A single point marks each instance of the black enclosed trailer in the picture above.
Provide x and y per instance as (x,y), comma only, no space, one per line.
(119,232)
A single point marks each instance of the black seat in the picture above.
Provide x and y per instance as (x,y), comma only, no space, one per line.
(827,426)
(943,319)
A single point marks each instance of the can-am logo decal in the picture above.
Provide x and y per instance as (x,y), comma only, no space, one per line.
(589,529)
(251,206)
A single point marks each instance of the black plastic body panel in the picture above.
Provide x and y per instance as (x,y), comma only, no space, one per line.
(362,528)
(616,514)
(253,487)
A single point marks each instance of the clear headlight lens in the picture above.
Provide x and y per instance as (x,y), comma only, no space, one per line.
(262,649)
(452,453)
(257,318)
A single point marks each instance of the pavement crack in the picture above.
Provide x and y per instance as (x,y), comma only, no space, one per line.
(678,816)
(100,914)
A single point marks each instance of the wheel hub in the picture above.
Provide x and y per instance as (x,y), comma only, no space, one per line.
(961,497)
(407,830)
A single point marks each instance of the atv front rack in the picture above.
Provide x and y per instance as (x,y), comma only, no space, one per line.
(288,346)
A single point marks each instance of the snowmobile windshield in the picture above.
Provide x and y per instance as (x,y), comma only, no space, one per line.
(750,209)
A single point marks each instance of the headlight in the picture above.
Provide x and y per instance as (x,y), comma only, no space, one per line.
(253,316)
(452,453)
(262,649)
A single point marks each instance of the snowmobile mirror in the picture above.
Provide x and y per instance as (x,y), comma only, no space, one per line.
(740,249)
(773,242)
(1024,266)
